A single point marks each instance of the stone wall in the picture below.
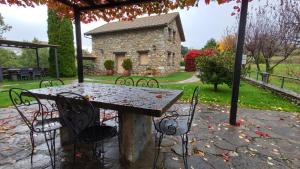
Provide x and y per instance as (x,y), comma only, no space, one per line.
(155,41)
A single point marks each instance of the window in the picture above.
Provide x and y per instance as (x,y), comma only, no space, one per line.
(170,33)
(173,59)
(169,59)
(174,35)
(143,58)
(101,52)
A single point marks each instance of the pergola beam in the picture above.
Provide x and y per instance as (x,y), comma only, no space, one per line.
(238,62)
(115,4)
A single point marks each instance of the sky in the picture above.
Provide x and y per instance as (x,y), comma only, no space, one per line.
(199,23)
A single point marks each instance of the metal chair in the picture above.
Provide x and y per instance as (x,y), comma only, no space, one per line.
(36,117)
(124,80)
(50,82)
(79,116)
(147,82)
(176,125)
(24,74)
(36,73)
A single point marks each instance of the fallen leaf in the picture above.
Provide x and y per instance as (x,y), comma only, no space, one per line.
(175,158)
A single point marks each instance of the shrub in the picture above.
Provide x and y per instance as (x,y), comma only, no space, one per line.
(109,64)
(189,59)
(127,64)
(216,69)
(182,63)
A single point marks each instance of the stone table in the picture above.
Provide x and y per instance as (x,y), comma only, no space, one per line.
(135,106)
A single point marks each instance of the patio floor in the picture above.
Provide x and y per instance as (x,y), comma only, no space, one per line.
(264,139)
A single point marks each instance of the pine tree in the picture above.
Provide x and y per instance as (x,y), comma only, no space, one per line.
(60,32)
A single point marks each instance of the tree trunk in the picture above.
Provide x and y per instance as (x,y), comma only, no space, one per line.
(267,66)
(215,87)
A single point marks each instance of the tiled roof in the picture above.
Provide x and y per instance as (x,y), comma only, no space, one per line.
(139,23)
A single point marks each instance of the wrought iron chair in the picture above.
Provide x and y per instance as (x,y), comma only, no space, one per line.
(124,80)
(36,73)
(24,74)
(79,116)
(176,125)
(51,83)
(36,117)
(147,82)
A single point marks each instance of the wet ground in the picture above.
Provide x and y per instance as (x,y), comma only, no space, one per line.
(263,139)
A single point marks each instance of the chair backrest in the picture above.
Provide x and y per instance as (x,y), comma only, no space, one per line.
(50,82)
(147,82)
(76,111)
(29,107)
(124,80)
(194,102)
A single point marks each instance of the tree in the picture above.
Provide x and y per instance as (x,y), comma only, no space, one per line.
(60,32)
(28,57)
(269,33)
(227,43)
(8,58)
(3,27)
(184,50)
(216,69)
(211,44)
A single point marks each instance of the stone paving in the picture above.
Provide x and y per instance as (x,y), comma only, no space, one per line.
(263,139)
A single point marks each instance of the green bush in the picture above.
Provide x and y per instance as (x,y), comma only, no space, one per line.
(88,64)
(181,63)
(216,69)
(127,64)
(109,64)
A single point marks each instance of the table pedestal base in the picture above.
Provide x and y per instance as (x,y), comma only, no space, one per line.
(135,133)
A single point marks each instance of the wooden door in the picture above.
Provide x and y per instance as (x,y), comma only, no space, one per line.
(119,60)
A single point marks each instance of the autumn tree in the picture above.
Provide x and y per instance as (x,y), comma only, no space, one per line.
(60,32)
(227,43)
(270,33)
(3,27)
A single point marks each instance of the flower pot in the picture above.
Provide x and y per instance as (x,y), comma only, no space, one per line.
(126,73)
(109,72)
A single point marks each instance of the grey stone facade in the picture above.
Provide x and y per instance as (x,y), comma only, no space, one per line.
(161,44)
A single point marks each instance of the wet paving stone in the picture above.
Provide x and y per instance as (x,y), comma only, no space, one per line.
(264,139)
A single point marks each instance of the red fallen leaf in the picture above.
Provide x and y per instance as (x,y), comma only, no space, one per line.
(78,155)
(159,96)
(239,122)
(225,156)
(262,134)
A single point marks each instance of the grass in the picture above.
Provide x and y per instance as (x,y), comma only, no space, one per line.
(28,84)
(250,96)
(174,77)
(282,69)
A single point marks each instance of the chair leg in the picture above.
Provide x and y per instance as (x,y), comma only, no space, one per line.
(32,147)
(158,140)
(51,146)
(185,150)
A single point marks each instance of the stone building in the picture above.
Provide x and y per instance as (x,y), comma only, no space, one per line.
(152,43)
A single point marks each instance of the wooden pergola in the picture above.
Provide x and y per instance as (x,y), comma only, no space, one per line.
(34,46)
(80,9)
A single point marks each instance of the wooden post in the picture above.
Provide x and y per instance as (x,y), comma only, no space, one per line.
(56,63)
(37,58)
(238,62)
(78,45)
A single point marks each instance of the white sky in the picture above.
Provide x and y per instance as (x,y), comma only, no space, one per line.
(199,23)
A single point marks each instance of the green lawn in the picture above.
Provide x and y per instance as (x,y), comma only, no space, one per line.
(28,84)
(174,77)
(282,69)
(250,96)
